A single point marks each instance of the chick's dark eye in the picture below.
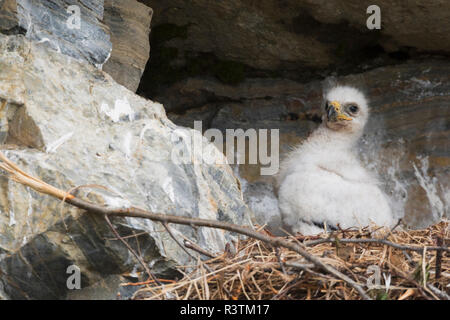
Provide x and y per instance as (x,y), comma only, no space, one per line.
(353,109)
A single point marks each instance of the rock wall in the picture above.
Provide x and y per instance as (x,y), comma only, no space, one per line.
(129,24)
(111,34)
(70,124)
(50,22)
(291,34)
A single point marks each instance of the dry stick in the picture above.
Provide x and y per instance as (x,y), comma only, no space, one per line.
(24,178)
(193,246)
(277,253)
(19,176)
(141,261)
(439,293)
(424,267)
(307,268)
(439,242)
(393,228)
(285,289)
(134,235)
(166,226)
(170,232)
(376,241)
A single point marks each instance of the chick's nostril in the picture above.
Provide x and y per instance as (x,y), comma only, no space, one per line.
(331,113)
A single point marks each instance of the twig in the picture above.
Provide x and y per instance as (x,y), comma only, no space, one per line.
(134,235)
(277,253)
(16,174)
(193,246)
(141,261)
(377,241)
(143,283)
(424,267)
(306,267)
(392,229)
(166,226)
(285,290)
(439,293)
(439,242)
(170,232)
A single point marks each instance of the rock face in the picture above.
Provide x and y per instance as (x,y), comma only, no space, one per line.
(406,140)
(291,34)
(71,125)
(129,24)
(8,15)
(111,34)
(72,28)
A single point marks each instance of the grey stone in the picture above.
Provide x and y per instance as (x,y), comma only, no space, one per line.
(48,21)
(83,128)
(129,24)
(113,35)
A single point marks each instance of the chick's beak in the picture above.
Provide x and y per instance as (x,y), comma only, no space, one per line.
(335,112)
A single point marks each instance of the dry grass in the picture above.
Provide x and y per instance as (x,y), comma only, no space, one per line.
(258,271)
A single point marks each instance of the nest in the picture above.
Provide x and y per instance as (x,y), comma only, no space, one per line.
(402,265)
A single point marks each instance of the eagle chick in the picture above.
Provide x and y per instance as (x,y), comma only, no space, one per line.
(322,184)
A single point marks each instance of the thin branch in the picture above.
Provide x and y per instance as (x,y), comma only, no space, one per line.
(439,293)
(183,247)
(277,253)
(193,246)
(307,268)
(393,228)
(170,232)
(376,241)
(141,261)
(439,242)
